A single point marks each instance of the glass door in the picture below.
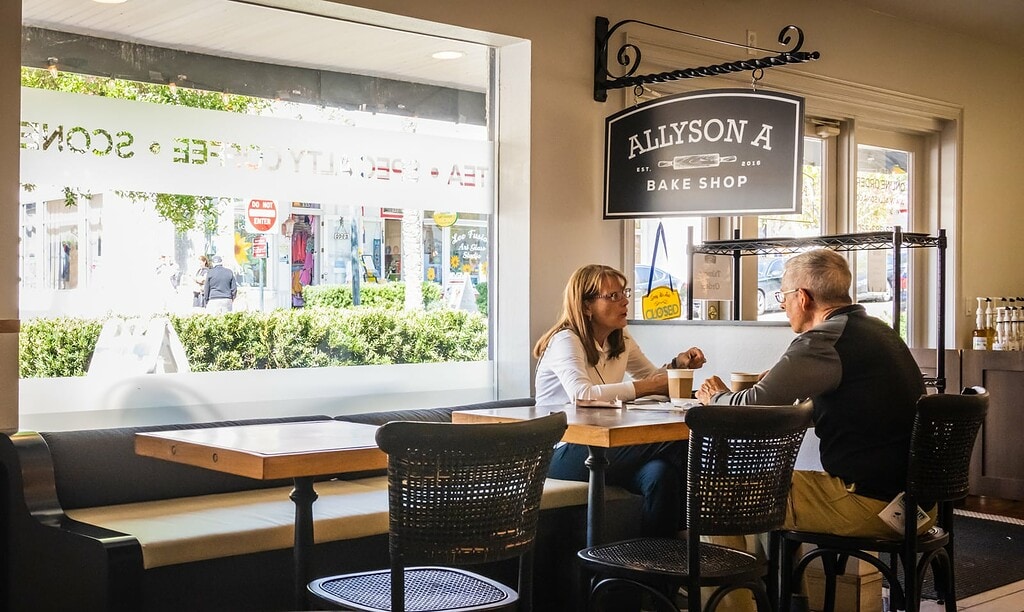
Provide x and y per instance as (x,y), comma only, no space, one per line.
(805,224)
(887,178)
(336,265)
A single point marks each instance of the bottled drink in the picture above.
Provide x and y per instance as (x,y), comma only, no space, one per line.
(979,336)
(990,324)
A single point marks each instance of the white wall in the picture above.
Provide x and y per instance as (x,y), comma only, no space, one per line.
(728,347)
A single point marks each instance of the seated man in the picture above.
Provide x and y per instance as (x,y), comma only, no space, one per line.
(865,385)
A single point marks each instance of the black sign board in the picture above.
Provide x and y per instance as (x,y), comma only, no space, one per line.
(712,152)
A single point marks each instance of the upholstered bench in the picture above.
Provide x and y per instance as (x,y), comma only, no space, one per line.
(188,529)
(88,524)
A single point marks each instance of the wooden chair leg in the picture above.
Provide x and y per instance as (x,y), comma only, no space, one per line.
(773,579)
(787,581)
(585,582)
(830,564)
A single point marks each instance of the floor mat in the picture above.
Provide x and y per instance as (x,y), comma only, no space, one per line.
(988,553)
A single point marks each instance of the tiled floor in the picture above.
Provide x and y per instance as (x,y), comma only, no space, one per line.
(1009,598)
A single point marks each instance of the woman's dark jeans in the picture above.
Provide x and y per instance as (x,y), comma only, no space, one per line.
(655,471)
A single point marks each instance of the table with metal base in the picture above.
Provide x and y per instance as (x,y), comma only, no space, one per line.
(300,451)
(599,429)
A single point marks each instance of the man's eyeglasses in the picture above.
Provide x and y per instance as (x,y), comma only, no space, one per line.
(615,296)
(780,296)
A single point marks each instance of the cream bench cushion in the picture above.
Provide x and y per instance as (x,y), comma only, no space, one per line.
(189,529)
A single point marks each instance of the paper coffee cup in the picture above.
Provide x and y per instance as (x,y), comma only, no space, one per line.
(680,383)
(743,380)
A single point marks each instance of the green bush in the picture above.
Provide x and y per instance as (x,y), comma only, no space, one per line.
(481,298)
(301,338)
(381,295)
(56,347)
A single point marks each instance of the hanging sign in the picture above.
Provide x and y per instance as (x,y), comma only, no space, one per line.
(713,152)
(445,219)
(661,303)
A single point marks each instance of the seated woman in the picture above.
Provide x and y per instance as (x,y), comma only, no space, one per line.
(586,355)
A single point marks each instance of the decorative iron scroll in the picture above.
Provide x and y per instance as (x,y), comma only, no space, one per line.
(629,56)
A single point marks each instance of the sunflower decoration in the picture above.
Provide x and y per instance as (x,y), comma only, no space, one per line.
(454,262)
(242,249)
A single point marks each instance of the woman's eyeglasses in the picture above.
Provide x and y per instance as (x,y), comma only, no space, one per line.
(615,296)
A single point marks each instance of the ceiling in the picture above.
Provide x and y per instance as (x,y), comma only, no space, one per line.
(1001,21)
(212,27)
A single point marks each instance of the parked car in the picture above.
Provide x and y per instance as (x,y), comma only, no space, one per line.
(769,280)
(642,274)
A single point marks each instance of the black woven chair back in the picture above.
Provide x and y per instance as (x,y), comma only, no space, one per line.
(741,466)
(464,494)
(945,429)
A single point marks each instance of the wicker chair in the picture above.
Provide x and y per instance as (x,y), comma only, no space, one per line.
(739,475)
(458,495)
(945,429)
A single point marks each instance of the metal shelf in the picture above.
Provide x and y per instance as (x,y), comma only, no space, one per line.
(865,241)
(896,240)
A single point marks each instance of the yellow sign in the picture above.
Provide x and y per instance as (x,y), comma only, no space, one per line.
(661,304)
(445,219)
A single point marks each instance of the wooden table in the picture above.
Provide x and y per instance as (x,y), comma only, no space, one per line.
(300,451)
(599,429)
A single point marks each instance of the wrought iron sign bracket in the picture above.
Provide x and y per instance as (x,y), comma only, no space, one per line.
(629,55)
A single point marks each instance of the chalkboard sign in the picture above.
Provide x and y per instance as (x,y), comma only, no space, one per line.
(712,152)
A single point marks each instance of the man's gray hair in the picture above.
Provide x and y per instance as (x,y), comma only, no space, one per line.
(823,273)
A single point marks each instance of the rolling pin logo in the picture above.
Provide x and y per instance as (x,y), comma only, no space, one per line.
(702,160)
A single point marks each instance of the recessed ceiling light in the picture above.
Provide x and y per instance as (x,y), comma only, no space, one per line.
(446,55)
(110,1)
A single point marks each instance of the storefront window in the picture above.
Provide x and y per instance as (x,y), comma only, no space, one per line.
(309,200)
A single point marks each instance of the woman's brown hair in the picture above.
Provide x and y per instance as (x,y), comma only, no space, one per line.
(583,286)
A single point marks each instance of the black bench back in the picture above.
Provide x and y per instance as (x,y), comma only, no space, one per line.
(99,467)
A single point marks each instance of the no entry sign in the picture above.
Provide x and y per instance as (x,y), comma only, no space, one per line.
(259,247)
(262,215)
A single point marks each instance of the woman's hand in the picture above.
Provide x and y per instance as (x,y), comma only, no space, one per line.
(691,359)
(655,384)
(709,388)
